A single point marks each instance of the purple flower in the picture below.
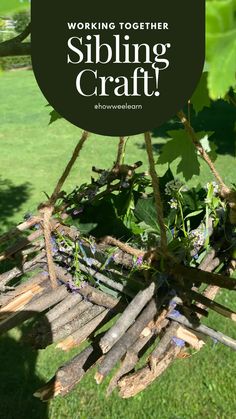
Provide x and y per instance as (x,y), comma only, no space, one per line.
(139,261)
(175,314)
(172,304)
(93,249)
(78,211)
(178,342)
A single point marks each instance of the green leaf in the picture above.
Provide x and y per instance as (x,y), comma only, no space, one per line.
(54,116)
(181,147)
(209,146)
(221,46)
(145,211)
(84,228)
(193,214)
(223,66)
(200,98)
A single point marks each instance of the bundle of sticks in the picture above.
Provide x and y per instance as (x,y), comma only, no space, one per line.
(161,314)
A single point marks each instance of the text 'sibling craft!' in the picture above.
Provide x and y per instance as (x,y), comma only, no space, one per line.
(120,70)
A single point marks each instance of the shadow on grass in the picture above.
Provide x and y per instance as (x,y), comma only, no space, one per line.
(11,199)
(219,118)
(18,378)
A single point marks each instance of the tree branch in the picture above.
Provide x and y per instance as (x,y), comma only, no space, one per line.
(16,46)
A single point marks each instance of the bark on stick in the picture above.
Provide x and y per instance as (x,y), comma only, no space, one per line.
(127,318)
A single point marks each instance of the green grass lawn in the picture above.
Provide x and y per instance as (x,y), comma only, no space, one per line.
(7,7)
(32,157)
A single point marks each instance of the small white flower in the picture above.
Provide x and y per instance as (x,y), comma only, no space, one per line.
(198,236)
(173,203)
(215,185)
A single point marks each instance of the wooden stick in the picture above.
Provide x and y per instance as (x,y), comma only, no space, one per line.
(105,280)
(196,275)
(80,335)
(190,131)
(47,230)
(163,345)
(218,308)
(128,339)
(16,231)
(135,383)
(38,306)
(21,301)
(69,166)
(157,194)
(120,151)
(207,260)
(70,373)
(16,272)
(132,355)
(193,339)
(70,301)
(220,337)
(127,318)
(71,314)
(126,248)
(92,294)
(16,247)
(24,287)
(41,339)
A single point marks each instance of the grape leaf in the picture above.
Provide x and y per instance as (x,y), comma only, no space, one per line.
(145,211)
(181,147)
(54,116)
(209,146)
(223,66)
(221,46)
(200,98)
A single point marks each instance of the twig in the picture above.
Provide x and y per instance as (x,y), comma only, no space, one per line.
(16,272)
(126,248)
(163,345)
(105,280)
(127,318)
(42,338)
(227,193)
(92,294)
(134,352)
(157,194)
(19,245)
(196,275)
(71,314)
(120,151)
(219,308)
(220,337)
(19,229)
(68,168)
(71,373)
(38,306)
(70,301)
(128,339)
(26,286)
(135,383)
(47,213)
(80,335)
(200,148)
